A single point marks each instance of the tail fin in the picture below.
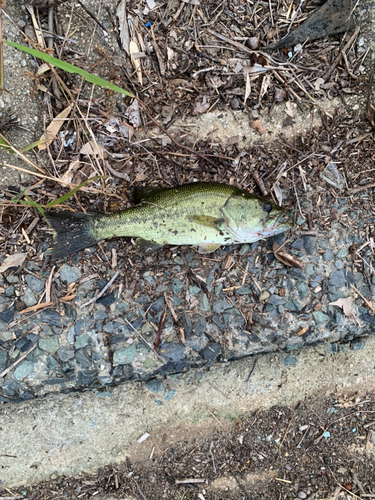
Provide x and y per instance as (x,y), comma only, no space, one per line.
(74,231)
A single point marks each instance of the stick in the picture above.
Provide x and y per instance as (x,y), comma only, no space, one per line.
(101,291)
(16,362)
(144,340)
(252,371)
(367,302)
(361,188)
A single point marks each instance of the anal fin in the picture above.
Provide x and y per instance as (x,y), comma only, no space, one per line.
(208,247)
(146,247)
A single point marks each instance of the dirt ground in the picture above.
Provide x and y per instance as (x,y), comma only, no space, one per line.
(320,449)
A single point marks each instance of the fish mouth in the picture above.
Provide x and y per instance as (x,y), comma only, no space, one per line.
(280,223)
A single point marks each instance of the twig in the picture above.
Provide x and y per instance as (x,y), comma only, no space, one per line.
(16,362)
(48,285)
(345,49)
(260,184)
(252,371)
(347,66)
(114,172)
(101,291)
(361,188)
(170,307)
(144,340)
(286,432)
(161,324)
(367,302)
(192,480)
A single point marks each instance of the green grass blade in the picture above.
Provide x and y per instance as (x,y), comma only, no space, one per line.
(70,68)
(71,193)
(5,145)
(32,203)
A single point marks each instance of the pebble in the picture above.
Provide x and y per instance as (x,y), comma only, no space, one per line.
(186,323)
(69,274)
(28,298)
(264,296)
(221,305)
(200,327)
(35,284)
(234,103)
(320,317)
(23,370)
(337,279)
(50,345)
(65,353)
(7,315)
(303,290)
(155,386)
(83,360)
(126,355)
(3,360)
(309,242)
(211,351)
(253,42)
(344,252)
(328,256)
(290,361)
(82,341)
(106,300)
(51,317)
(10,387)
(177,286)
(5,335)
(276,300)
(172,352)
(302,495)
(169,395)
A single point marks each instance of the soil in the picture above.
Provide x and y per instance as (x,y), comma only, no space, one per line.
(320,449)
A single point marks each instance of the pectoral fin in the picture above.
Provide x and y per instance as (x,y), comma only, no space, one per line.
(208,247)
(205,220)
(146,247)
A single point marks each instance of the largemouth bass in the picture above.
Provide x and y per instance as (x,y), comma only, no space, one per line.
(205,215)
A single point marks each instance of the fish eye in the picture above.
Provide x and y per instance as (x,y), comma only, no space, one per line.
(267,207)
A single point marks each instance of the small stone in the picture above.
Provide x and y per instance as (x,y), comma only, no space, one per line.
(177,286)
(341,254)
(234,103)
(5,335)
(211,351)
(169,395)
(221,305)
(35,284)
(309,242)
(279,95)
(9,291)
(3,360)
(320,317)
(107,300)
(83,360)
(290,361)
(200,326)
(331,175)
(155,386)
(7,315)
(194,290)
(10,387)
(126,355)
(23,370)
(204,303)
(51,363)
(172,352)
(339,264)
(276,300)
(86,377)
(69,274)
(65,353)
(369,318)
(298,244)
(328,256)
(244,290)
(52,317)
(253,42)
(186,323)
(302,290)
(50,345)
(82,341)
(127,371)
(302,495)
(264,296)
(28,298)
(337,279)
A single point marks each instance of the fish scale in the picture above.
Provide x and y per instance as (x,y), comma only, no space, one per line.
(205,215)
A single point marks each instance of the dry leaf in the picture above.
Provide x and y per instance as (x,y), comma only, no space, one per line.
(69,174)
(92,148)
(43,68)
(345,304)
(201,107)
(123,25)
(15,260)
(53,128)
(265,84)
(286,258)
(133,114)
(257,125)
(248,88)
(140,177)
(134,49)
(278,193)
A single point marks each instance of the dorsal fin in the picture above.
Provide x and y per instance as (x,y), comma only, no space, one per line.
(137,194)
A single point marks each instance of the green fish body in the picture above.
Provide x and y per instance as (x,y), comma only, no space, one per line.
(205,215)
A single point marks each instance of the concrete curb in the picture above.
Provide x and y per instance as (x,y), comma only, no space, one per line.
(67,434)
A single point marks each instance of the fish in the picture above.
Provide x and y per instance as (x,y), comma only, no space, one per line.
(205,215)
